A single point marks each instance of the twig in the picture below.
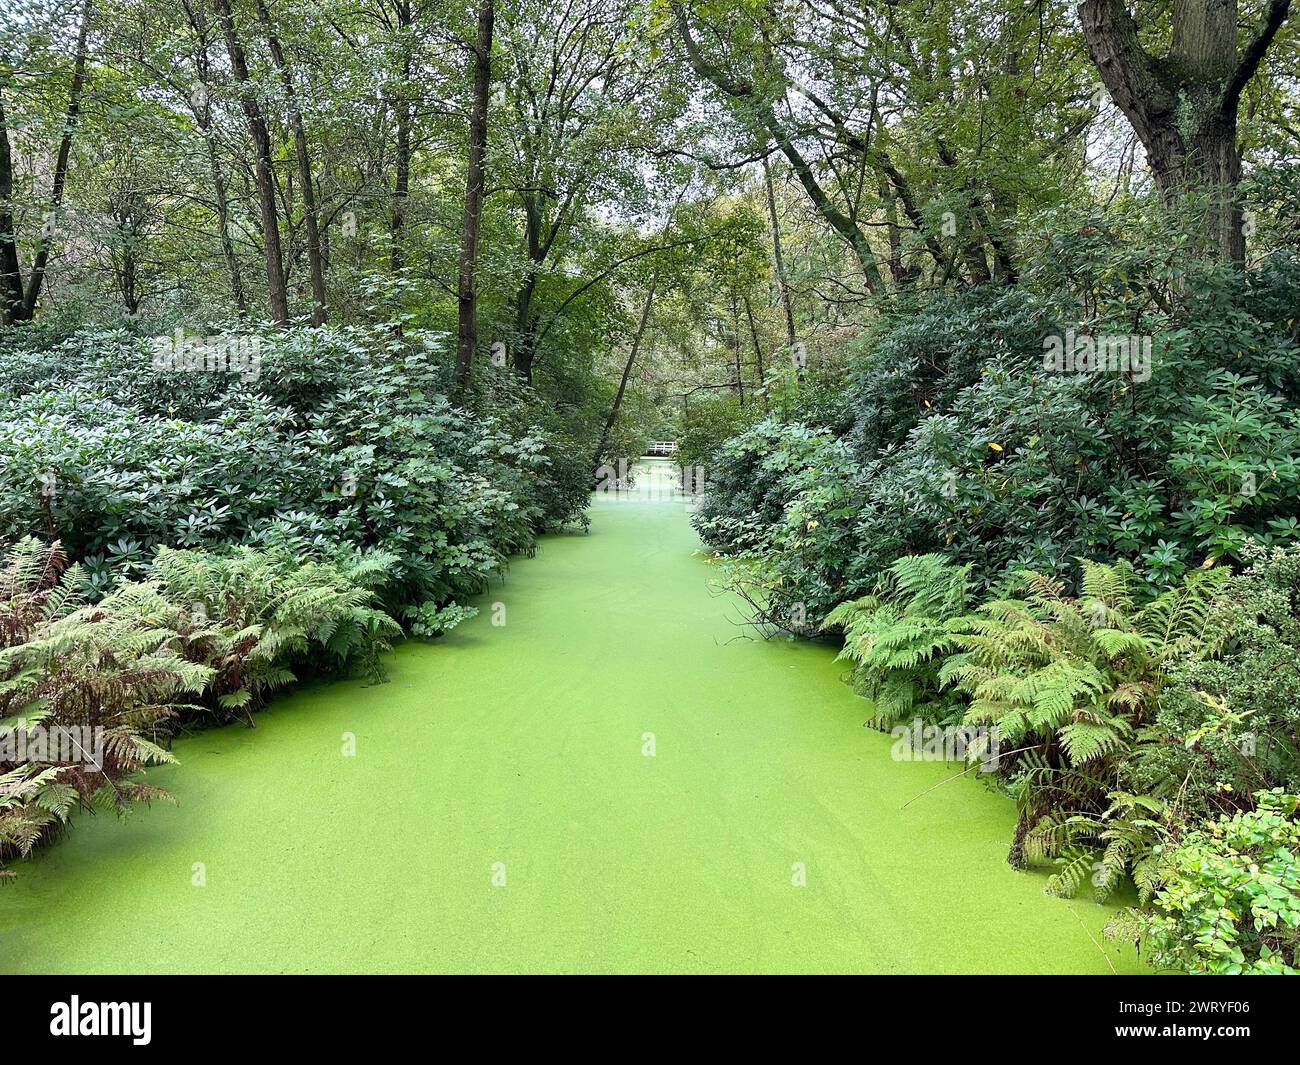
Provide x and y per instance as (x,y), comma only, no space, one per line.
(941,783)
(1088,930)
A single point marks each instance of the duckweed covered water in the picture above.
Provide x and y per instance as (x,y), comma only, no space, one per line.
(504,812)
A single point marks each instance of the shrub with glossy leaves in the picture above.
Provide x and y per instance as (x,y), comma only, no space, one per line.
(345,438)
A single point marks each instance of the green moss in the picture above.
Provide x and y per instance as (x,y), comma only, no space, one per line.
(522,744)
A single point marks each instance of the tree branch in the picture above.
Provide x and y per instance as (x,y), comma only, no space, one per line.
(1253,54)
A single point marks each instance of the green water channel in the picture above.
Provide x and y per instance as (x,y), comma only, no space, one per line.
(618,778)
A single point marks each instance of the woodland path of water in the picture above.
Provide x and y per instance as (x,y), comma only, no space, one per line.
(501,812)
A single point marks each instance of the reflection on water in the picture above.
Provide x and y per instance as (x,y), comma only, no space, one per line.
(649,480)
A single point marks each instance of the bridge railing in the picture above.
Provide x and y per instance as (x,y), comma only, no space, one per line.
(661,449)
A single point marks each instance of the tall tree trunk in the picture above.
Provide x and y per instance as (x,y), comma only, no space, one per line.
(223,226)
(466,292)
(1183,106)
(37,277)
(11,275)
(844,225)
(753,336)
(402,165)
(977,263)
(612,417)
(735,350)
(778,257)
(202,109)
(525,321)
(311,218)
(901,272)
(275,279)
(130,282)
(903,191)
(127,210)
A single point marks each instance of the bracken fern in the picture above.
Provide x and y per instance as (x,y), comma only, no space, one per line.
(897,636)
(1070,682)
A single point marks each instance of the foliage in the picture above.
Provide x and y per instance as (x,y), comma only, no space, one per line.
(1082,670)
(1229,896)
(429,621)
(202,634)
(964,442)
(1230,716)
(1118,719)
(251,614)
(1070,683)
(827,248)
(780,497)
(61,668)
(898,636)
(344,439)
(708,424)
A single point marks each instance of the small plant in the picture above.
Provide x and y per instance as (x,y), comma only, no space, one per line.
(203,632)
(1072,683)
(251,614)
(1229,900)
(428,620)
(897,637)
(71,667)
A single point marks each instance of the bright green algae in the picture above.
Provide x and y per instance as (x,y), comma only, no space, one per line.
(518,750)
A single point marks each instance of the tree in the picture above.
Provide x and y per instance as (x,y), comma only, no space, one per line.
(632,353)
(311,219)
(402,164)
(11,277)
(200,102)
(575,116)
(277,288)
(756,100)
(466,295)
(19,303)
(778,256)
(1183,105)
(916,120)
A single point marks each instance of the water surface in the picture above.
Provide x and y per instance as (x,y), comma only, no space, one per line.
(502,811)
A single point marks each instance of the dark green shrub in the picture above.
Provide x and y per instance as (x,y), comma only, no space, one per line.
(345,438)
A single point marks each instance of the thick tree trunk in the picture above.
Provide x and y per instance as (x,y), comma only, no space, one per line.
(37,276)
(1183,107)
(476,178)
(311,218)
(1214,168)
(275,280)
